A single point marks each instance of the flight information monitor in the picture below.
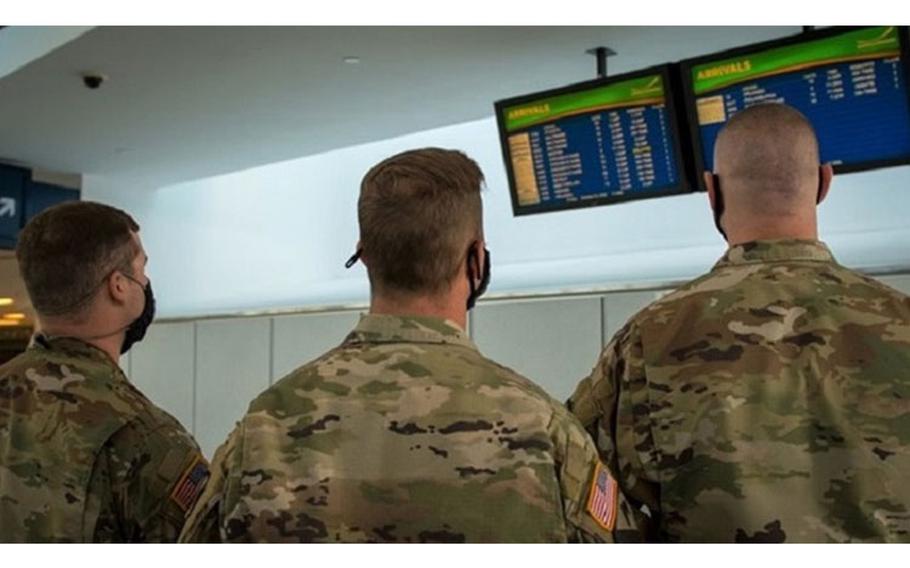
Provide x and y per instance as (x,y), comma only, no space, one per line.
(850,83)
(593,143)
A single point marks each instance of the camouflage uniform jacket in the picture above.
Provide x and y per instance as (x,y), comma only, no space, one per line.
(404,433)
(768,400)
(84,456)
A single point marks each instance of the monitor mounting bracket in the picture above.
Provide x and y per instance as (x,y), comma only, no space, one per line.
(601,53)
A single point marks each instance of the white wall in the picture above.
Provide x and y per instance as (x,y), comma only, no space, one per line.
(277,235)
(163,367)
(552,341)
(233,362)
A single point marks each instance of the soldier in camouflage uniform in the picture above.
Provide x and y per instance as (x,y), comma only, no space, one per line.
(769,400)
(84,456)
(405,432)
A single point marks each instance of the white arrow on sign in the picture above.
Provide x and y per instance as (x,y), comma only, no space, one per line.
(7,207)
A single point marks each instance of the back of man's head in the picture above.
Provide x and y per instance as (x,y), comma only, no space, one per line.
(66,252)
(419,212)
(767,160)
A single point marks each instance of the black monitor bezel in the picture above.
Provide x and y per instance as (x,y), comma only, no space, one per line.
(691,111)
(674,117)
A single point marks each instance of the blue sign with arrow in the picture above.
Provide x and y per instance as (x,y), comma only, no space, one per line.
(12,190)
(21,198)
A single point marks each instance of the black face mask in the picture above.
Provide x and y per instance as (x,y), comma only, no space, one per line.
(136,331)
(719,201)
(477,292)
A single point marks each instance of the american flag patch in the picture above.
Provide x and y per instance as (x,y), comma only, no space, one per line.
(603,497)
(190,484)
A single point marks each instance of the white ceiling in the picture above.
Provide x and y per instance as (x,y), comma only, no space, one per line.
(188,102)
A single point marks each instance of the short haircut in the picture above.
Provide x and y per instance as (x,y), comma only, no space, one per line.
(419,211)
(771,150)
(66,251)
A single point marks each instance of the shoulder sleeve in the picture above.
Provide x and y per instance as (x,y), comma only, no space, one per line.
(593,506)
(613,406)
(203,523)
(156,475)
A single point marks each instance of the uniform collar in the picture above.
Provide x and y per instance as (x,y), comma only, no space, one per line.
(783,250)
(374,328)
(69,346)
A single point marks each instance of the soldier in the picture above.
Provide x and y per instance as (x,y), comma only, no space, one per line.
(405,432)
(84,456)
(768,400)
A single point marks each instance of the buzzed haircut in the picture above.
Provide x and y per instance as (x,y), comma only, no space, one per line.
(419,211)
(66,251)
(769,150)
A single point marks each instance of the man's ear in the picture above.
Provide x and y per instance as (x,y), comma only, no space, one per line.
(825,175)
(116,285)
(474,266)
(363,253)
(481,257)
(709,185)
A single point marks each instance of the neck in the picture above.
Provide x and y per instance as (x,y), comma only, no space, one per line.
(805,229)
(110,343)
(443,308)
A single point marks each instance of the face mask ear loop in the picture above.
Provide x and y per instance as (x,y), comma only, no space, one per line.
(354,258)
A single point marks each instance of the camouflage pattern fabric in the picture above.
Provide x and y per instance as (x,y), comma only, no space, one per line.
(404,433)
(767,401)
(84,456)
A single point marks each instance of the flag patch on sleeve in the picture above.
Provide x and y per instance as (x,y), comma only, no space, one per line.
(190,484)
(603,498)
